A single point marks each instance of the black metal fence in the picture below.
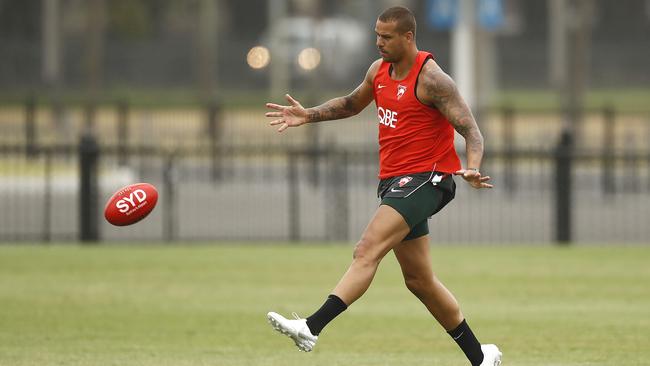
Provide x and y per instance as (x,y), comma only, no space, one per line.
(215,187)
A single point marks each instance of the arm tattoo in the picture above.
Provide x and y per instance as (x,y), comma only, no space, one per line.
(442,91)
(348,105)
(336,108)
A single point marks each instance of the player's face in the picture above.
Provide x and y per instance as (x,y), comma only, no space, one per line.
(391,44)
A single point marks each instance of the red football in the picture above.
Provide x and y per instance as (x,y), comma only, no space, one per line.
(131,204)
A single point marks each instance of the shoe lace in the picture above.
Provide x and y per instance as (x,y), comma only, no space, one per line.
(296,316)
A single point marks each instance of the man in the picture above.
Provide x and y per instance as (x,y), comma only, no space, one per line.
(419,107)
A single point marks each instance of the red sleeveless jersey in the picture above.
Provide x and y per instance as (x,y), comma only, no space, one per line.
(413,137)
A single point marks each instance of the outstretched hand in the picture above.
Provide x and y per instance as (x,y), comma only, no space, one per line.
(292,115)
(474,178)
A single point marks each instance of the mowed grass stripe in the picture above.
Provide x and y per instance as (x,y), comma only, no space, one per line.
(206,305)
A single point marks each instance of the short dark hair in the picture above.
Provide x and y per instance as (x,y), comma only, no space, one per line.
(402,16)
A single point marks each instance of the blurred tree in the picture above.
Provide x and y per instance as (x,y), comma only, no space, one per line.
(51,43)
(128,19)
(20,19)
(250,15)
(136,19)
(94,48)
(206,39)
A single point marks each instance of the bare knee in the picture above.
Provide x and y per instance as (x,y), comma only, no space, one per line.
(365,252)
(419,286)
(431,291)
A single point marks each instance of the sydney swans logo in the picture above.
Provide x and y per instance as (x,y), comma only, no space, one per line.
(401,89)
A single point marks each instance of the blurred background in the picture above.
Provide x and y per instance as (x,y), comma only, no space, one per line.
(98,94)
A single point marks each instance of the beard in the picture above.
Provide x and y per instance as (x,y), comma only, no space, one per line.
(392,57)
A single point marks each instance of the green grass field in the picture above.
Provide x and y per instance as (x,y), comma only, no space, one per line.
(206,305)
(626,99)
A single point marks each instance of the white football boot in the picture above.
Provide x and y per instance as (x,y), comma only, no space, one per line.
(491,355)
(296,329)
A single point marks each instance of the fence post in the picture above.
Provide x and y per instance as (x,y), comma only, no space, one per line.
(47,199)
(509,181)
(563,188)
(88,188)
(313,139)
(122,132)
(631,161)
(337,204)
(293,195)
(214,127)
(169,217)
(341,212)
(89,115)
(608,162)
(61,124)
(30,126)
(648,151)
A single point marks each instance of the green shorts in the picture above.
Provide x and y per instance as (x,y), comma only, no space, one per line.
(417,197)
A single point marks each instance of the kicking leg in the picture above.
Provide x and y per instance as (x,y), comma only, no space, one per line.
(386,229)
(413,257)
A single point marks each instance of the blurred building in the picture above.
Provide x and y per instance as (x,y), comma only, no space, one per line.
(202,44)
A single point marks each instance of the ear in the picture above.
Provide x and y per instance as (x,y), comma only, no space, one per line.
(409,36)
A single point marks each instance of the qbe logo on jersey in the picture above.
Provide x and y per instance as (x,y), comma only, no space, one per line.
(387,117)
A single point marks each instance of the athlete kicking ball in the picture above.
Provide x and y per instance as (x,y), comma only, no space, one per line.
(419,107)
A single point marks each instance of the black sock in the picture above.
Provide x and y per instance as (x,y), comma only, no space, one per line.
(332,307)
(465,338)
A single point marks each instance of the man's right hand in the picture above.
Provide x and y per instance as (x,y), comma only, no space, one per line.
(474,178)
(293,115)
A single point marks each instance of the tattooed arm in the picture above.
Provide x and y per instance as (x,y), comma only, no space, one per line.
(437,89)
(296,115)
